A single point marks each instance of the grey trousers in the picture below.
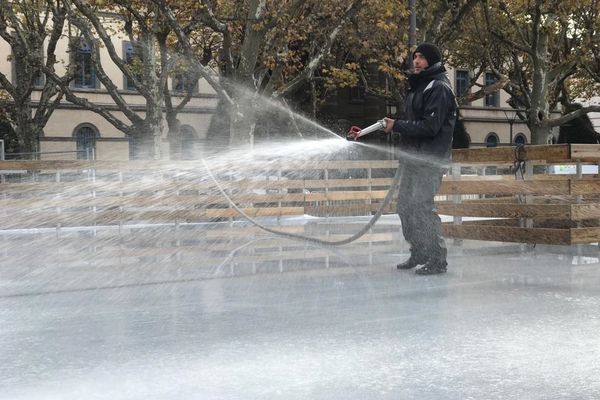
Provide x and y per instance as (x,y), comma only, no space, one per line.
(421,225)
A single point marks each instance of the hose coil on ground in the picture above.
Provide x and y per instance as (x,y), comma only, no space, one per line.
(361,232)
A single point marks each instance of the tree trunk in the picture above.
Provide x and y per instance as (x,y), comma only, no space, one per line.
(241,130)
(540,133)
(25,129)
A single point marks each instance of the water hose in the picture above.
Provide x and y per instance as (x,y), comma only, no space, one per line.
(372,221)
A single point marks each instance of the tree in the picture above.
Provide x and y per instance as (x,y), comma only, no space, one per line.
(531,49)
(378,37)
(267,48)
(147,65)
(32,28)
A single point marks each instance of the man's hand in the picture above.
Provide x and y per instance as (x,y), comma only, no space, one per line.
(389,124)
(353,133)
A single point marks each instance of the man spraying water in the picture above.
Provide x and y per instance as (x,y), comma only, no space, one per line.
(425,136)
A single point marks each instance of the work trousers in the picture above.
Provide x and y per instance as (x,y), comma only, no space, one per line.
(421,225)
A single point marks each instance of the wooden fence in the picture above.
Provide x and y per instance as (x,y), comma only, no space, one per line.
(536,207)
(536,204)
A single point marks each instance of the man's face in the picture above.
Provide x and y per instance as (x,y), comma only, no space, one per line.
(419,62)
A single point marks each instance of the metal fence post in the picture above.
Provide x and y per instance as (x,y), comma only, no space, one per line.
(2,158)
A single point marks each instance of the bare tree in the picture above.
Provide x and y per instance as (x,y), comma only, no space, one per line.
(535,50)
(32,29)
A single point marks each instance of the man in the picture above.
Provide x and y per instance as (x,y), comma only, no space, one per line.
(426,144)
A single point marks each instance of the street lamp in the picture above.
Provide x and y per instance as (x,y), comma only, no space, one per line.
(511,122)
(412,33)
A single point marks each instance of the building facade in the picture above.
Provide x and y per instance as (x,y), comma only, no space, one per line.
(73,132)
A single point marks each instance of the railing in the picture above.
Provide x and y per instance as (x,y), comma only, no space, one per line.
(538,207)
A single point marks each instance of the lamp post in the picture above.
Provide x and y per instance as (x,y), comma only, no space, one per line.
(412,32)
(511,122)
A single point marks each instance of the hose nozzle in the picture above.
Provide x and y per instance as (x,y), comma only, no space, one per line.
(355,132)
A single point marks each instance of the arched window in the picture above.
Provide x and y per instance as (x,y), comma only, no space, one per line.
(520,139)
(491,140)
(86,136)
(188,142)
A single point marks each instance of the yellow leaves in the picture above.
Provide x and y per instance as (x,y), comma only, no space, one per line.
(391,71)
(270,62)
(258,26)
(386,26)
(581,86)
(341,77)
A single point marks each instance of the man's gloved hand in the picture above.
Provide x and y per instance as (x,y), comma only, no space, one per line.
(353,133)
(389,124)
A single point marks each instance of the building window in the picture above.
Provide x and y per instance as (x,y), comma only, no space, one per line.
(520,139)
(491,99)
(85,138)
(85,71)
(133,61)
(461,84)
(491,140)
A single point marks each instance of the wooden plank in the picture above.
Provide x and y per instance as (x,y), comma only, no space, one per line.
(508,234)
(37,165)
(585,211)
(487,155)
(132,200)
(347,209)
(254,212)
(346,195)
(106,186)
(502,210)
(585,152)
(492,155)
(540,187)
(341,183)
(64,218)
(217,167)
(550,153)
(585,186)
(585,235)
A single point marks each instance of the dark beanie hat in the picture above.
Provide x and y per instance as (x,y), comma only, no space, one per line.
(430,51)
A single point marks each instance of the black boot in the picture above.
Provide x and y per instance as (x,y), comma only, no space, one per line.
(413,261)
(432,267)
(436,264)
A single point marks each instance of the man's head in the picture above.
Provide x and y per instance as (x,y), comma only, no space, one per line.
(425,55)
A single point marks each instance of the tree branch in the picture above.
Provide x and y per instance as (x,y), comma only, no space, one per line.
(572,115)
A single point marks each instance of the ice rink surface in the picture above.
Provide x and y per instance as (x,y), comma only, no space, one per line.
(226,312)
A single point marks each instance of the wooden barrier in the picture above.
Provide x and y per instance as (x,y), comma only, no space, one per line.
(539,207)
(535,207)
(36,194)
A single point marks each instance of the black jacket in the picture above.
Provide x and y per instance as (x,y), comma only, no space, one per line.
(430,114)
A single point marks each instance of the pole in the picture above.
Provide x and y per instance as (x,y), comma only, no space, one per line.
(511,122)
(412,33)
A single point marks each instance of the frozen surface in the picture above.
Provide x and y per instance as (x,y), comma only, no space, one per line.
(224,312)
